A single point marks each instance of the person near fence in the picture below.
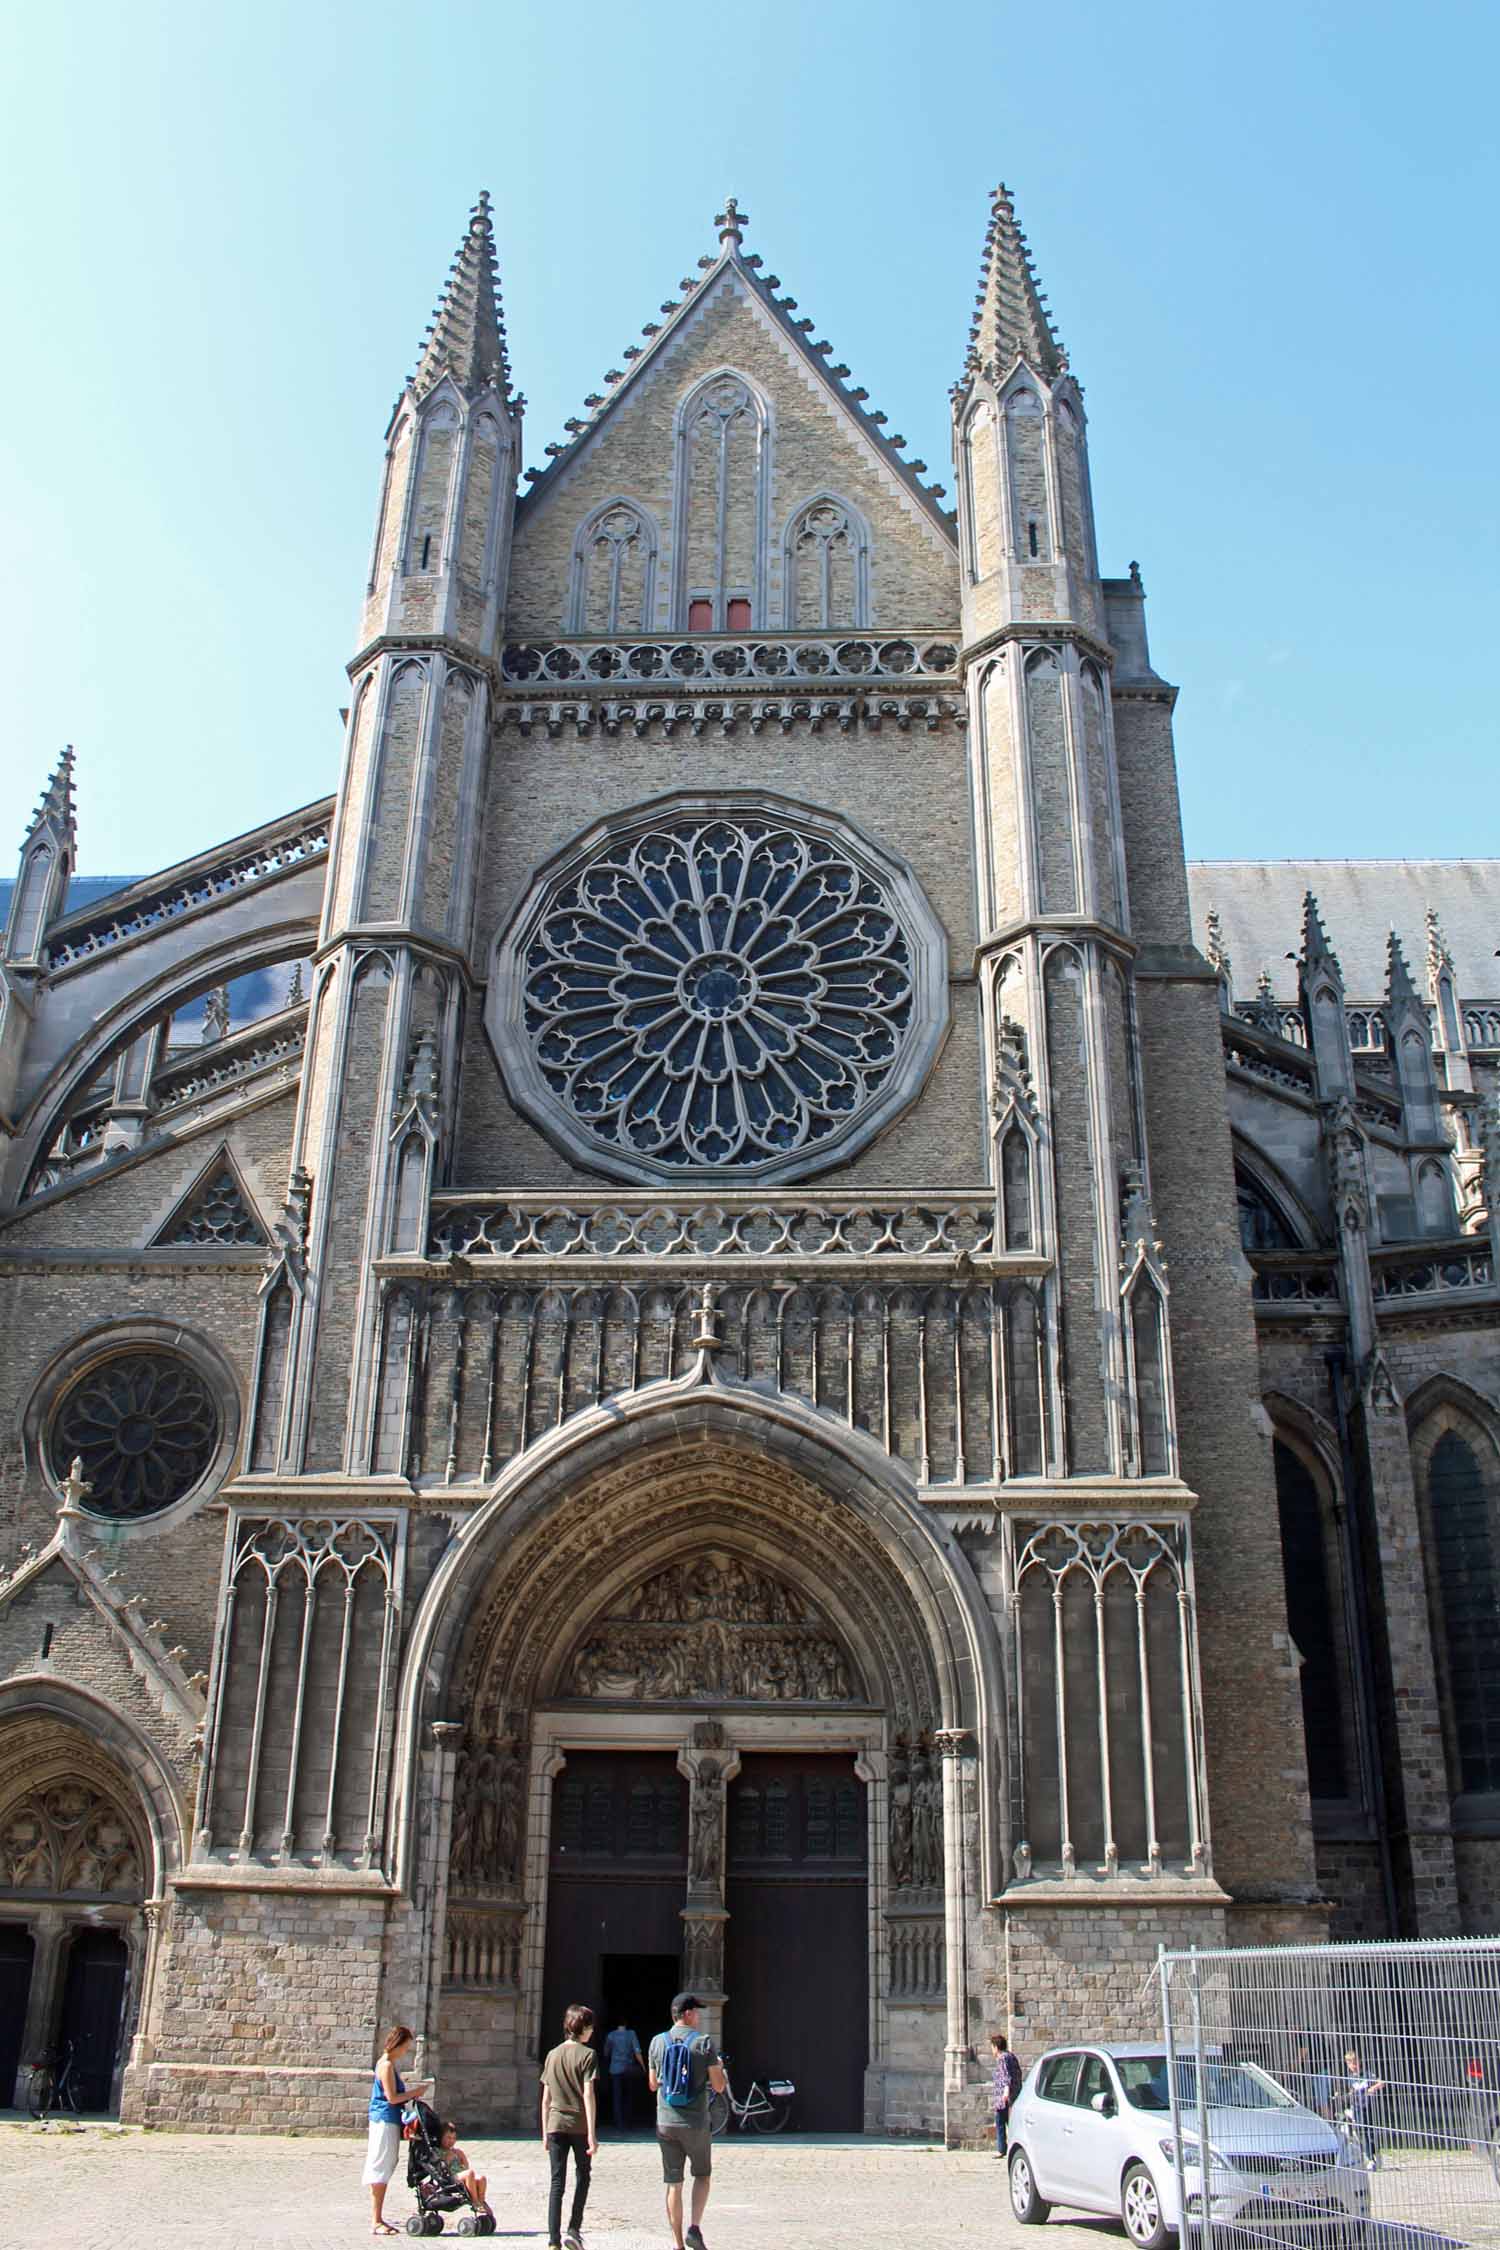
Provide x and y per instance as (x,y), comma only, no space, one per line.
(684,2064)
(1363,2088)
(570,2123)
(1005,2078)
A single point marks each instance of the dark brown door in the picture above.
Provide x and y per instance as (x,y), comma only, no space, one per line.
(795,1966)
(16,1952)
(93,2001)
(615,1890)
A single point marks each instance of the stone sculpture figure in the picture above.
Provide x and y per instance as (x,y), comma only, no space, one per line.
(707,1823)
(926,1822)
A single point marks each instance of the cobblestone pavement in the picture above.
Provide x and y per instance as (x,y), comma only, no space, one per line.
(74,2190)
(82,2188)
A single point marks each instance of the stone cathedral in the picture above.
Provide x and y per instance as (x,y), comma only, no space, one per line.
(720,1327)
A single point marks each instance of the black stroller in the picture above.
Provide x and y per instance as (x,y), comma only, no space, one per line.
(431,2181)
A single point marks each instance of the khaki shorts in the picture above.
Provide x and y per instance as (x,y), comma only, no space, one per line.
(682,2145)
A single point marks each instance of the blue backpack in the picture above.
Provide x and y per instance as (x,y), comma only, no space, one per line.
(675,2078)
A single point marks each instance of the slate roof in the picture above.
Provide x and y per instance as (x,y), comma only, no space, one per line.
(1360,901)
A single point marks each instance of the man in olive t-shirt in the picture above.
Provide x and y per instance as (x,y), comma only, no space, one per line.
(570,2122)
(682,2133)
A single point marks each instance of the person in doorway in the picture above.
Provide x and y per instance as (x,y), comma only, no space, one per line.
(685,2063)
(389,2092)
(1362,2091)
(1006,2084)
(570,2122)
(622,2055)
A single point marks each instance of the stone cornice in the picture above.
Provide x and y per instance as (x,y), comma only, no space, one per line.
(425,644)
(1041,632)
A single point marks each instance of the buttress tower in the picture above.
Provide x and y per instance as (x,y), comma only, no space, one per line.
(394,966)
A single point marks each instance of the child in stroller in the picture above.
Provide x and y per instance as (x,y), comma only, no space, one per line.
(431,2176)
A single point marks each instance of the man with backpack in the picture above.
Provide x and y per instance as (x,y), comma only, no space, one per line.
(684,2065)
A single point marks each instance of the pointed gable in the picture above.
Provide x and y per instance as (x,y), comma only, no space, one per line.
(621,483)
(216,1213)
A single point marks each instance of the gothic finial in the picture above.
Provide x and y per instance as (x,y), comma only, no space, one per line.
(731,223)
(294,992)
(75,1488)
(706,1337)
(215,1013)
(1217,953)
(1010,319)
(467,337)
(1439,958)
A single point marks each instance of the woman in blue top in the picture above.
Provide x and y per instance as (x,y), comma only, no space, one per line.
(387,2094)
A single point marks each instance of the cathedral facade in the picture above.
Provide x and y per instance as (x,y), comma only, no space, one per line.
(719,1327)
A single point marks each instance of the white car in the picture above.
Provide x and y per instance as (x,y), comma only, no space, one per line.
(1092,2128)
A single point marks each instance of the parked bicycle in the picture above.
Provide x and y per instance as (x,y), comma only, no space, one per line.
(765,2109)
(52,2087)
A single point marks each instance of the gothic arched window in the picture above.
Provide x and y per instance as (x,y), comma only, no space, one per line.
(1309,1562)
(827,565)
(1461,1491)
(613,584)
(721,510)
(1262,1226)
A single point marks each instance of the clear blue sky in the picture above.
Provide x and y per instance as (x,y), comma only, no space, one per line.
(1268,234)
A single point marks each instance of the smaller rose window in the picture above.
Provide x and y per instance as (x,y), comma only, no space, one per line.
(145,1426)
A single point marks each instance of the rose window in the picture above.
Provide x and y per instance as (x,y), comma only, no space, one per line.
(697,994)
(145,1426)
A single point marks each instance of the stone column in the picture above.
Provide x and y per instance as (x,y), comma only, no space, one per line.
(710,1765)
(955,1747)
(142,2046)
(38,2038)
(430,1888)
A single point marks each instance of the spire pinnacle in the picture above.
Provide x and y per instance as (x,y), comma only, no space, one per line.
(467,336)
(731,223)
(1398,984)
(56,808)
(1315,945)
(1010,320)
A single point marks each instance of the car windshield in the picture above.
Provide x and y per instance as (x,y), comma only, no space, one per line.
(1225,2086)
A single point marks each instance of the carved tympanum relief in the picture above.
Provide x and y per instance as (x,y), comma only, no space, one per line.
(711,1630)
(69,1838)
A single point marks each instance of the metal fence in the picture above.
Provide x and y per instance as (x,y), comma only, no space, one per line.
(1349,2095)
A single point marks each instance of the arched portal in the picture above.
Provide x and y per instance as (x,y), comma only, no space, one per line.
(697,1685)
(80,1855)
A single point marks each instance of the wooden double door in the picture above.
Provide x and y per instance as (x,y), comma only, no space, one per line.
(796,1888)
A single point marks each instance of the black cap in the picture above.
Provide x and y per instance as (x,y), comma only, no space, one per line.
(683,2002)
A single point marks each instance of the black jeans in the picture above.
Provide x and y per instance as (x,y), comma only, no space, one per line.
(619,2094)
(558,2145)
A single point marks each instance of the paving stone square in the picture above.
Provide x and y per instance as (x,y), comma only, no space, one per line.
(72,2190)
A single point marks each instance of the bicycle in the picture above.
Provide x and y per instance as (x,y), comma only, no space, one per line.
(51,2086)
(765,2109)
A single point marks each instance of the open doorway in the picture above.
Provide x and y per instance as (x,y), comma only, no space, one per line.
(93,2005)
(637,1990)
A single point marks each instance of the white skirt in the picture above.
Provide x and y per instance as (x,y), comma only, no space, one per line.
(382,2155)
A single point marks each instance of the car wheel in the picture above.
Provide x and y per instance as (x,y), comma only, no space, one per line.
(1024,2200)
(1140,2208)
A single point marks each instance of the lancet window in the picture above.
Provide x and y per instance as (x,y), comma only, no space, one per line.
(1312,1566)
(827,565)
(613,586)
(1459,1472)
(1106,1699)
(721,513)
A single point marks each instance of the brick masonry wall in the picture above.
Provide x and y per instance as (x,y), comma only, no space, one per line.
(266,2013)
